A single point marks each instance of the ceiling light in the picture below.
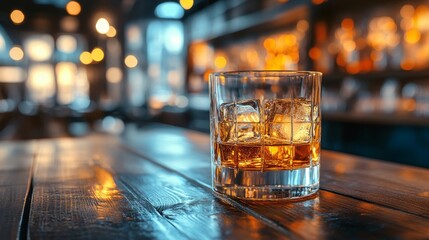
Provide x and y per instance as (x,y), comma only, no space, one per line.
(102,26)
(17,16)
(16,54)
(73,8)
(131,61)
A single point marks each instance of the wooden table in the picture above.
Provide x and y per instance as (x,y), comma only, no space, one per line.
(155,183)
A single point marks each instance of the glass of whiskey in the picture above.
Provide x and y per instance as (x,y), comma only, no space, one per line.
(265,129)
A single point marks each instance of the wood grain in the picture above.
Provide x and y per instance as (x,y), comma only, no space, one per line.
(330,215)
(93,188)
(15,175)
(75,198)
(333,216)
(396,186)
(189,207)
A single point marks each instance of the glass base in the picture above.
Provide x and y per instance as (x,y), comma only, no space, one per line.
(266,185)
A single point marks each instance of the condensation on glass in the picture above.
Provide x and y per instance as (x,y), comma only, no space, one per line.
(265,133)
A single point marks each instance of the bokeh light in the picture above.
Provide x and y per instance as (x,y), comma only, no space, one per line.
(97,54)
(39,47)
(114,75)
(16,53)
(69,24)
(66,43)
(220,62)
(186,4)
(412,36)
(111,32)
(131,61)
(17,16)
(102,26)
(85,58)
(73,8)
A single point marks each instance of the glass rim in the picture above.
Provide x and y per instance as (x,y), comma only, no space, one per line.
(280,73)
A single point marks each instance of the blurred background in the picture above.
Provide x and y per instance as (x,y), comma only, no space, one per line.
(68,68)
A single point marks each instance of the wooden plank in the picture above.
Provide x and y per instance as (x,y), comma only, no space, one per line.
(333,216)
(92,188)
(175,148)
(397,186)
(74,198)
(329,215)
(189,207)
(15,175)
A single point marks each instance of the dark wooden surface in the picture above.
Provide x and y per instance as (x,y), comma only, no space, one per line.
(154,182)
(15,174)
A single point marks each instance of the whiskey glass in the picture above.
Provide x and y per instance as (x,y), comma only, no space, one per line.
(265,129)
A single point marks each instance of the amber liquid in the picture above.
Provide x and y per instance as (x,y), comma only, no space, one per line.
(273,135)
(259,156)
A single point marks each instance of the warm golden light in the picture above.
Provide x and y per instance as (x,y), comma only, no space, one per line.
(106,187)
(66,75)
(289,40)
(349,45)
(407,11)
(97,54)
(102,26)
(9,74)
(85,58)
(16,54)
(114,75)
(39,47)
(186,4)
(315,53)
(111,32)
(131,61)
(407,64)
(66,43)
(41,82)
(412,36)
(73,8)
(302,25)
(17,16)
(220,61)
(269,44)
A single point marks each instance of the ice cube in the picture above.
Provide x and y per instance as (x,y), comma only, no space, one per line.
(302,132)
(301,110)
(240,121)
(248,111)
(276,133)
(280,110)
(248,132)
(288,120)
(241,111)
(227,112)
(227,132)
(277,110)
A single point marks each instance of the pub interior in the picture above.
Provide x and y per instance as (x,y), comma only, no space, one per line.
(72,67)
